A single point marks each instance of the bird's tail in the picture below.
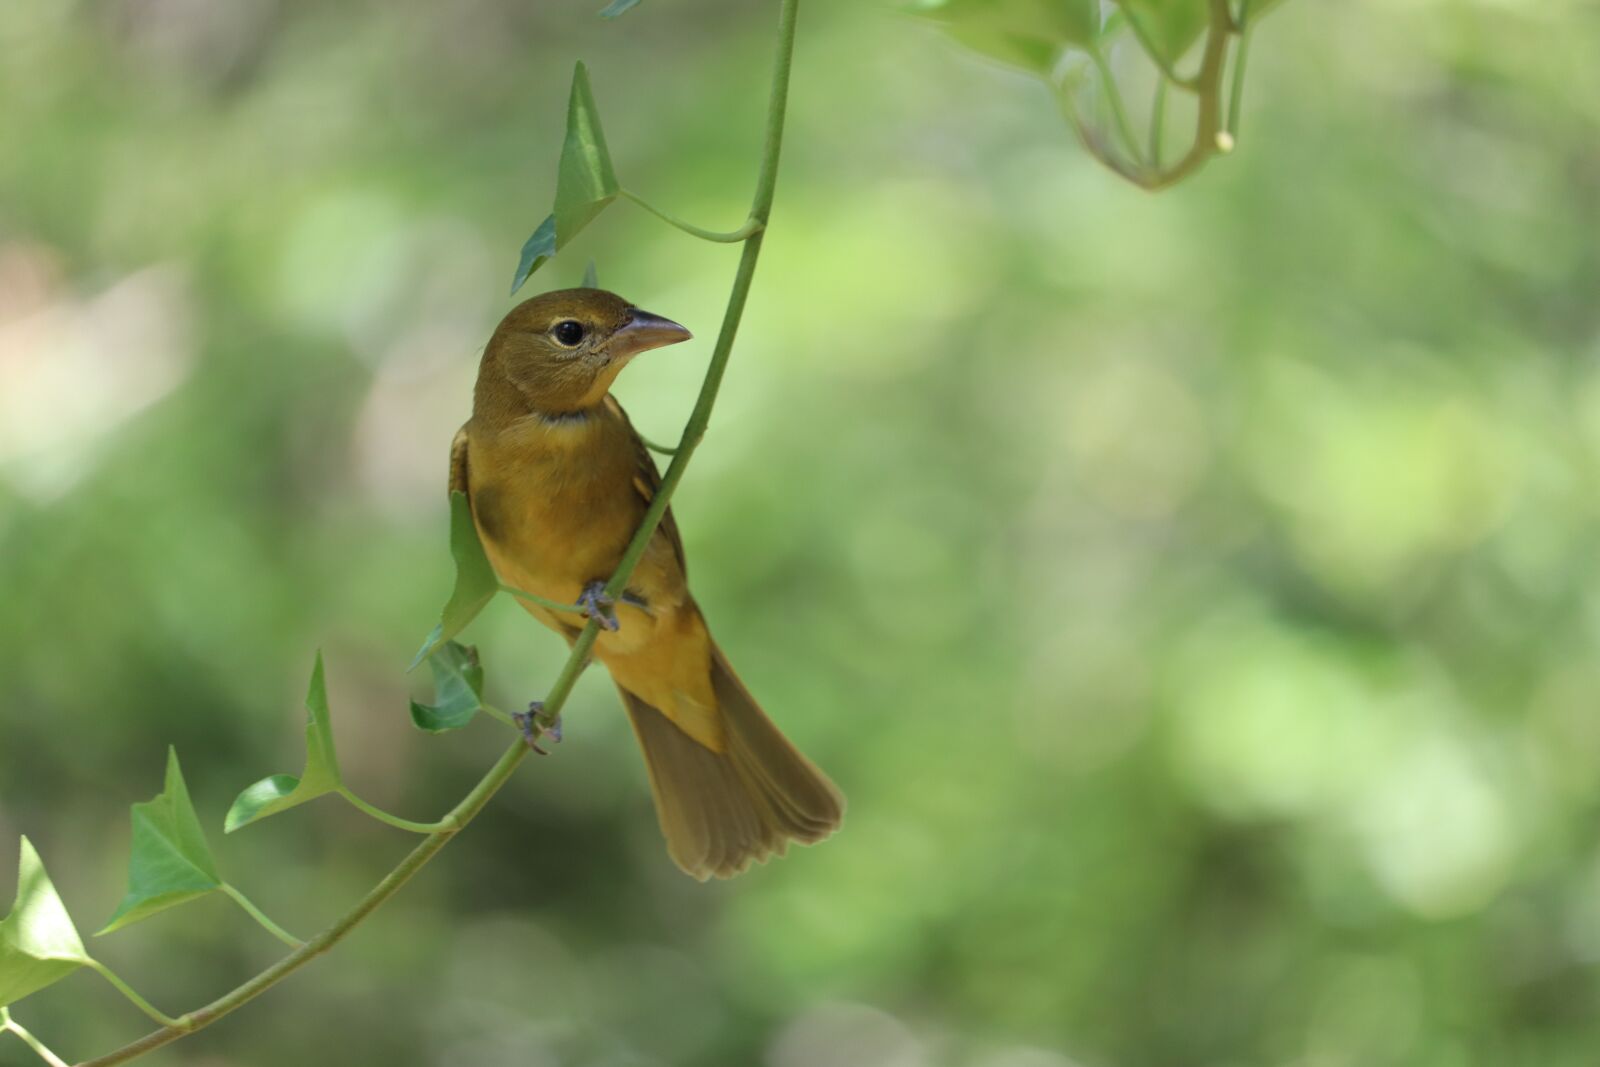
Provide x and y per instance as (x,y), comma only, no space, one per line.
(722,811)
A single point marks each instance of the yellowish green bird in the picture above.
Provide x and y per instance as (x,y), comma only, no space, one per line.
(558,482)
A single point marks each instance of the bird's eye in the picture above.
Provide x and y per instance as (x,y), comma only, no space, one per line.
(568,332)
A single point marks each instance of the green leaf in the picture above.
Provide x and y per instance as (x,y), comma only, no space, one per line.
(321,776)
(170,862)
(38,943)
(540,247)
(618,7)
(1025,53)
(1029,34)
(458,690)
(585,182)
(1168,27)
(476,583)
(591,277)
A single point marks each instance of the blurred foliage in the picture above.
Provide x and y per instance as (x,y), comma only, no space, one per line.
(1095,55)
(1193,594)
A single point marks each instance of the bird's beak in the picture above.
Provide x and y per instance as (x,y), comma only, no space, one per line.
(643,332)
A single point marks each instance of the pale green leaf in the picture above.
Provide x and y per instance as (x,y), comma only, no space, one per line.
(535,251)
(475,585)
(38,943)
(585,182)
(458,690)
(1029,34)
(618,7)
(170,862)
(321,776)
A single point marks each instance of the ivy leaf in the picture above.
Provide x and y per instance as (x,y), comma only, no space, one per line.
(458,690)
(476,583)
(618,7)
(1168,27)
(38,943)
(321,776)
(585,183)
(170,862)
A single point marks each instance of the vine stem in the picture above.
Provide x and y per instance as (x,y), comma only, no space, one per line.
(1209,136)
(500,773)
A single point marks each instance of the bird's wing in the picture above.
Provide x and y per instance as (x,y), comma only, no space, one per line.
(458,463)
(647,481)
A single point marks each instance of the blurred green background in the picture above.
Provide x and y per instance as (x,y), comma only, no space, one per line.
(1195,595)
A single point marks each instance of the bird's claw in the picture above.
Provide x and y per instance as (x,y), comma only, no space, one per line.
(526,721)
(599,606)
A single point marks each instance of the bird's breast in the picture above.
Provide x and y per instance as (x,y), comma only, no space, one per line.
(554,505)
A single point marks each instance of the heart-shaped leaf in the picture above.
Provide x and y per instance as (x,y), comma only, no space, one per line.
(585,183)
(618,7)
(476,583)
(170,862)
(321,776)
(458,690)
(38,943)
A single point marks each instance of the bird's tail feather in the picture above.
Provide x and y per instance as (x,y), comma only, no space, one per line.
(722,811)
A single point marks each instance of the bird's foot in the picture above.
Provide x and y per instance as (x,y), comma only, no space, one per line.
(600,607)
(526,721)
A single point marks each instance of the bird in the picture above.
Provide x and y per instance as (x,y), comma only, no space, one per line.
(558,482)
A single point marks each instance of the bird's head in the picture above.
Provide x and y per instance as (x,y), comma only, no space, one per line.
(562,350)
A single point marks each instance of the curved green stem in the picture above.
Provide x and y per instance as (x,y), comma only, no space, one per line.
(500,773)
(259,916)
(8,1023)
(1158,121)
(1119,113)
(664,450)
(134,998)
(495,713)
(1091,138)
(743,233)
(543,602)
(1190,84)
(384,817)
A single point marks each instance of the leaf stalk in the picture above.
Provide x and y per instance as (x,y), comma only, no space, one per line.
(260,917)
(7,1023)
(750,228)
